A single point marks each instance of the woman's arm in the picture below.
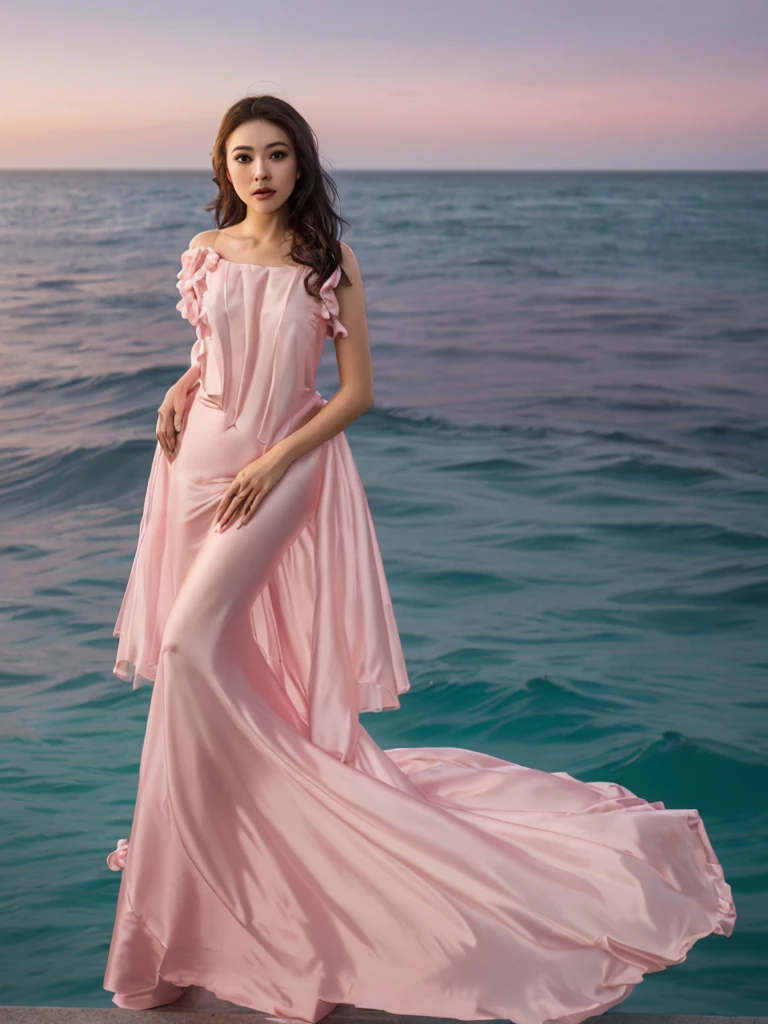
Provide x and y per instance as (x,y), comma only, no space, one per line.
(171,413)
(353,358)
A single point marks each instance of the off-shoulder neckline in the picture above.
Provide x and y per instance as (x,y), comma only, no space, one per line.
(262,266)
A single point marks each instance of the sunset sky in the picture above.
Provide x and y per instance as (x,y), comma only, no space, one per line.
(572,84)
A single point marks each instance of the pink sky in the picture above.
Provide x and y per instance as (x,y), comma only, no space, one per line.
(490,84)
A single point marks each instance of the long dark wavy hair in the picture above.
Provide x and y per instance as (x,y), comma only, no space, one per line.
(312,216)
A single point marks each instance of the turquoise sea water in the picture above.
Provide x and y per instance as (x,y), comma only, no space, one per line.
(566,464)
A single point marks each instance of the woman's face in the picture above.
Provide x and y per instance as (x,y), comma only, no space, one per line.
(260,155)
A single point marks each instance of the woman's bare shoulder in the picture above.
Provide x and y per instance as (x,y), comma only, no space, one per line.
(204,239)
(349,265)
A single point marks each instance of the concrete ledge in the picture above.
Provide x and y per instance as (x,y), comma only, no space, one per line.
(228,1013)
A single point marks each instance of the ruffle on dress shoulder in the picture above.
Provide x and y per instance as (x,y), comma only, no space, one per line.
(192,285)
(195,264)
(331,306)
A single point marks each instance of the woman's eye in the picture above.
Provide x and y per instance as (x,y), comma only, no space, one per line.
(242,158)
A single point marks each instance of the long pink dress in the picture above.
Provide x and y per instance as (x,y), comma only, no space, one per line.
(277,856)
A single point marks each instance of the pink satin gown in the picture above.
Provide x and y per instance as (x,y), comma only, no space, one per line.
(277,856)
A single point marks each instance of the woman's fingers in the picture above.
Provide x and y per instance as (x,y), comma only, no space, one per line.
(253,502)
(170,429)
(228,503)
(161,436)
(167,434)
(231,512)
(238,503)
(179,409)
(228,494)
(234,509)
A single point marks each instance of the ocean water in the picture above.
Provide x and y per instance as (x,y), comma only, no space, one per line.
(566,463)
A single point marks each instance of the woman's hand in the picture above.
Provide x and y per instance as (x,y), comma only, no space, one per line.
(247,490)
(171,414)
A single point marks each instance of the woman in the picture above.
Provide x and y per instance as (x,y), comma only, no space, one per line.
(278,857)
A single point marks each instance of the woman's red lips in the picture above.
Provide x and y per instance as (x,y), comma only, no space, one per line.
(263,191)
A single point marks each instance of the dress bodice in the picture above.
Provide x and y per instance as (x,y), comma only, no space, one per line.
(259,337)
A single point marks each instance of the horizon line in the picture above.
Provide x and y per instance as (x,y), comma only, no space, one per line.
(406,170)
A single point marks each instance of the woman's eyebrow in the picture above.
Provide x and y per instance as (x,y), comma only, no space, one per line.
(268,146)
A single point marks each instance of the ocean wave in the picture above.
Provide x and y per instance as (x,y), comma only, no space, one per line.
(677,535)
(714,777)
(92,383)
(638,468)
(71,477)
